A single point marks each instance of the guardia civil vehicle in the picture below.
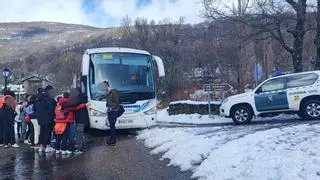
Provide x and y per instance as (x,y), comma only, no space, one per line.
(298,93)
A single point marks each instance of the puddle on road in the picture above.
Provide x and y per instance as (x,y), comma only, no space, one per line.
(30,164)
(33,165)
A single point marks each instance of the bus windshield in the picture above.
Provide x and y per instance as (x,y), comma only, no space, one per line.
(130,74)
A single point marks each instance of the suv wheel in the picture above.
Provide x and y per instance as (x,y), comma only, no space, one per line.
(310,110)
(241,114)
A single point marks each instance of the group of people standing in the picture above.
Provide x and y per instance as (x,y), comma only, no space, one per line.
(64,120)
(40,122)
(44,119)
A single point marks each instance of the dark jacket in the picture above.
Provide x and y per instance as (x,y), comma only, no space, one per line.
(44,109)
(81,115)
(8,114)
(113,102)
(69,113)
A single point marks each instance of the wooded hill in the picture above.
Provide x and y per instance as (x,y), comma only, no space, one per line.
(215,51)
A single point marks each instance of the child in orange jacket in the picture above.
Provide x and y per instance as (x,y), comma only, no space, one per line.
(64,117)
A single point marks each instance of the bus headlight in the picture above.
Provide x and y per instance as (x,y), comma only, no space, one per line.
(97,113)
(153,110)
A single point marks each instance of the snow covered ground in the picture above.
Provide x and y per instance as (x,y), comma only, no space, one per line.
(263,151)
(164,118)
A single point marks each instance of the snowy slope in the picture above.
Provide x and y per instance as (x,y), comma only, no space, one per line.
(266,151)
(287,153)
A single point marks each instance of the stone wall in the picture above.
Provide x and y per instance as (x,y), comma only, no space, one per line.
(190,107)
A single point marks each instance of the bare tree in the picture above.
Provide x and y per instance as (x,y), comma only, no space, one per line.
(283,21)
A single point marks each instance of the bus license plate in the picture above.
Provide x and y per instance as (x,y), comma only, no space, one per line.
(125,121)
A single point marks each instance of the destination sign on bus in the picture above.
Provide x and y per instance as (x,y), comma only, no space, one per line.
(107,56)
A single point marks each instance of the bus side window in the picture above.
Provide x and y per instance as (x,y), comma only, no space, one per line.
(84,84)
(91,73)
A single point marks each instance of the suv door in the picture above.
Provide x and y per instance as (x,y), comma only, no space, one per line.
(299,86)
(272,95)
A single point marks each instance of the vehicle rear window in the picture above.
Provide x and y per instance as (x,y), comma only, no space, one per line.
(301,80)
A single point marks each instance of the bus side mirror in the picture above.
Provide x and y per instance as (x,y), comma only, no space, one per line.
(85,64)
(160,65)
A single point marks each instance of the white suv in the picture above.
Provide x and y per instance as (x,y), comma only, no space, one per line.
(298,92)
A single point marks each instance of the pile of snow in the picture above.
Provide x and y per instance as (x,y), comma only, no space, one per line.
(172,141)
(164,117)
(288,153)
(240,152)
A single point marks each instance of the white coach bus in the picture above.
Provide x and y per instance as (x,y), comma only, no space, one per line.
(130,71)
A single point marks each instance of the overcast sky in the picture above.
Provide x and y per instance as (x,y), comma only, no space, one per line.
(102,13)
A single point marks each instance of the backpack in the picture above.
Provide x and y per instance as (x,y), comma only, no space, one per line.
(60,113)
(59,128)
(120,110)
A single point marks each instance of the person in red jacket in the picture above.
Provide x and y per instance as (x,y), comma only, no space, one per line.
(64,117)
(9,95)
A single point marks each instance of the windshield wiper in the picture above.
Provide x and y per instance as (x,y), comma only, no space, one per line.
(127,92)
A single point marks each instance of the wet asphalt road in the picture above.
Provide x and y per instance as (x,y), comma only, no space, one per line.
(128,160)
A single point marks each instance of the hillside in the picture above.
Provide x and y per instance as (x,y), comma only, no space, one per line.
(49,49)
(19,40)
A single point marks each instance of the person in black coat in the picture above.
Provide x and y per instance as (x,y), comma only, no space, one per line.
(81,117)
(44,111)
(8,115)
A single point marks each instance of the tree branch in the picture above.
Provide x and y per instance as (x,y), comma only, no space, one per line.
(293,4)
